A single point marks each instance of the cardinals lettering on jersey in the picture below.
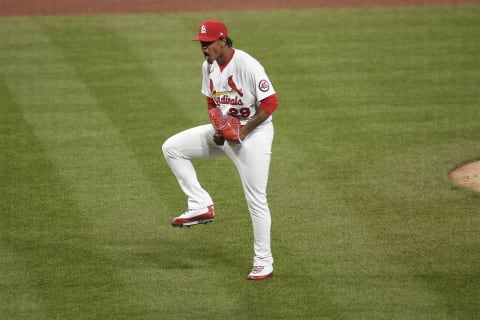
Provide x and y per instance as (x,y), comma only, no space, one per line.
(227,100)
(223,97)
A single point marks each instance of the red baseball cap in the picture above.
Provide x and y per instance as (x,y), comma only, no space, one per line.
(211,30)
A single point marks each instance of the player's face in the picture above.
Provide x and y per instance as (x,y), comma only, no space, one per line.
(211,50)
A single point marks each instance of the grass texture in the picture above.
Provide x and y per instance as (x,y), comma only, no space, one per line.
(377,106)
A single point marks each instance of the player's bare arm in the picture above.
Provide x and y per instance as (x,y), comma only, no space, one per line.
(267,106)
(256,120)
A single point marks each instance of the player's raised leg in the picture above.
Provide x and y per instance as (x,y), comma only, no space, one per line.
(178,150)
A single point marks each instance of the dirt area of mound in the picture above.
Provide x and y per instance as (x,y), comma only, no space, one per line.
(467,175)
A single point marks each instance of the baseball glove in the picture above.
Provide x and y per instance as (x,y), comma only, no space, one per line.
(228,126)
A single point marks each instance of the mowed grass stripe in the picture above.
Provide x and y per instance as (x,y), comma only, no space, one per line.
(21,189)
(113,197)
(48,261)
(80,139)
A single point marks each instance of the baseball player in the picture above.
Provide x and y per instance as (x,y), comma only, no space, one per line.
(240,100)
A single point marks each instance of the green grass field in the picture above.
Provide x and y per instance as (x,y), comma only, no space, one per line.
(377,106)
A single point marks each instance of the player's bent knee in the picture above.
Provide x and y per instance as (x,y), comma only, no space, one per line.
(168,150)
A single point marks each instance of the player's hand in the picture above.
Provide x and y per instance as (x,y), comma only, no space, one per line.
(242,133)
(218,139)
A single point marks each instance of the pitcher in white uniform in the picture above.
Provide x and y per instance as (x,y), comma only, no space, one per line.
(238,90)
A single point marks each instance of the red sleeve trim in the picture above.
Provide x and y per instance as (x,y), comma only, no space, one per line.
(269,104)
(210,103)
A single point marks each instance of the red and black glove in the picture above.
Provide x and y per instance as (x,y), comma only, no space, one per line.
(227,126)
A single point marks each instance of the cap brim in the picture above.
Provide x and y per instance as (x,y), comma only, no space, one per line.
(204,38)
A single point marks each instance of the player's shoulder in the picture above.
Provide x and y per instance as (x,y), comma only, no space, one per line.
(240,54)
(245,58)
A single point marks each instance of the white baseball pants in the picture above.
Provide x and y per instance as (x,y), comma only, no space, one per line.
(252,160)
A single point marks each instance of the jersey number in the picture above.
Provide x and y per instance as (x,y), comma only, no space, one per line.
(242,112)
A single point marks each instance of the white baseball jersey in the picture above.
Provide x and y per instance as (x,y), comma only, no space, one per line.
(239,88)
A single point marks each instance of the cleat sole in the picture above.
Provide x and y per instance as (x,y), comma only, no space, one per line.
(194,223)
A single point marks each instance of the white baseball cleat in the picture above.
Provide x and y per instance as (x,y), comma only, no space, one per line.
(193,217)
(260,273)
